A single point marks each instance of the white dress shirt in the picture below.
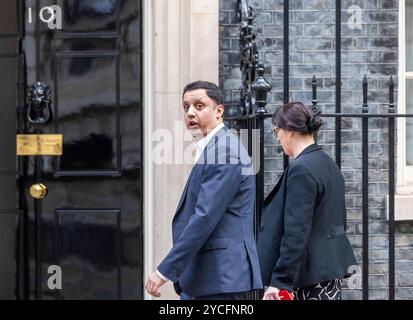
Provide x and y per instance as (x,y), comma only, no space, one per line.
(199,149)
(201,144)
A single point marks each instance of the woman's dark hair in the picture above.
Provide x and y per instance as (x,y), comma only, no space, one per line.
(295,116)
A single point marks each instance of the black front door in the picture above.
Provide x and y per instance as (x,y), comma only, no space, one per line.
(89,223)
(11,94)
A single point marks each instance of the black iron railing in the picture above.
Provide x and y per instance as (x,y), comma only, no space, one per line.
(252,115)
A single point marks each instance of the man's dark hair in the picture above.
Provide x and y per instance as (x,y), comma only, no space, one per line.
(212,90)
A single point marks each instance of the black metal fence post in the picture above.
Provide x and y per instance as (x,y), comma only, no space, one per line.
(286,61)
(314,101)
(365,191)
(314,89)
(338,82)
(392,229)
(260,88)
(249,54)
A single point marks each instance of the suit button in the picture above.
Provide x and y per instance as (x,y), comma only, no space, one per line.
(332,233)
(179,272)
(261,229)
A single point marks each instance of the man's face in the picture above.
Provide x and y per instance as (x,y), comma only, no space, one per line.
(202,114)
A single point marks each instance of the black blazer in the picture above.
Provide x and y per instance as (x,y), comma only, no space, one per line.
(302,239)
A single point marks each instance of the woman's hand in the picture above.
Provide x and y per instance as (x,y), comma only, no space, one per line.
(271,294)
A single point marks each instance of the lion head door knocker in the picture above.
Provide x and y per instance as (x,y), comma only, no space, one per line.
(39,100)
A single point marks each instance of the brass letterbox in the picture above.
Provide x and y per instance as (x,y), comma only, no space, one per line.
(39,145)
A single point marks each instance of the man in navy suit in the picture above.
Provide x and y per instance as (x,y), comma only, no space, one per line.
(214,255)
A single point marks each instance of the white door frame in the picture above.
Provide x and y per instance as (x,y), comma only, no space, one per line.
(148,98)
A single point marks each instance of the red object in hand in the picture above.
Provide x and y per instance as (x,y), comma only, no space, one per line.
(285,295)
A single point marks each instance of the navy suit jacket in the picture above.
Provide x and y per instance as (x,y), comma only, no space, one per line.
(302,239)
(214,250)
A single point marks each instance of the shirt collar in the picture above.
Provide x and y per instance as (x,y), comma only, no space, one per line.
(201,144)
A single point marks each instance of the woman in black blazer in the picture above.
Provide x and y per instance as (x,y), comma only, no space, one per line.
(302,244)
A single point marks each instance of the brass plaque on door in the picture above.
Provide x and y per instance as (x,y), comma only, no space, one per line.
(39,144)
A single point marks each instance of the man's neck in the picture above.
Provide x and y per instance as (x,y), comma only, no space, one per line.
(208,131)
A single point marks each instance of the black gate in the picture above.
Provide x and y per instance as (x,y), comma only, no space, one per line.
(252,115)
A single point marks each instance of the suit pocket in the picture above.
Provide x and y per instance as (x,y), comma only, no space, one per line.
(214,244)
(334,232)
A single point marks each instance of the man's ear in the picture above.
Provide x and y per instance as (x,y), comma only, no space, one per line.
(220,111)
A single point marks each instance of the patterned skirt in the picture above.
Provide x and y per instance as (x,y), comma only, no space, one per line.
(329,290)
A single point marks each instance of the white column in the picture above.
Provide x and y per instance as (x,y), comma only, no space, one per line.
(182,47)
(204,40)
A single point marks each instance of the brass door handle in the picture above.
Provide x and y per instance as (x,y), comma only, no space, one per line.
(38,191)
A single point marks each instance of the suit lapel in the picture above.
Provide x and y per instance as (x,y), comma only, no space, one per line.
(199,163)
(214,140)
(183,196)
